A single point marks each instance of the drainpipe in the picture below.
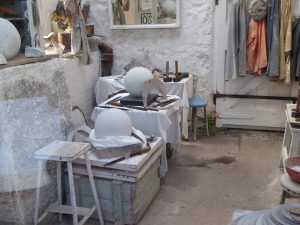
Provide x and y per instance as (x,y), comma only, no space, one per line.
(107,53)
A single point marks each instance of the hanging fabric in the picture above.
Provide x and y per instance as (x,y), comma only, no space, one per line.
(295,50)
(256,43)
(256,48)
(236,53)
(285,41)
(119,16)
(273,37)
(126,5)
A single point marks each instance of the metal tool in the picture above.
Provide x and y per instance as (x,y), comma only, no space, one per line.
(177,78)
(165,103)
(148,148)
(111,107)
(114,100)
(167,78)
(133,107)
(120,159)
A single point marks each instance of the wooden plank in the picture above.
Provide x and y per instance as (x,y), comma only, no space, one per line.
(145,185)
(263,90)
(59,187)
(132,164)
(117,202)
(276,90)
(139,213)
(62,151)
(87,216)
(37,194)
(146,167)
(72,193)
(22,60)
(65,209)
(119,174)
(252,118)
(229,103)
(105,186)
(107,174)
(93,188)
(107,209)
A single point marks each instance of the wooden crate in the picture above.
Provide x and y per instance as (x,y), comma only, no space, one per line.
(124,195)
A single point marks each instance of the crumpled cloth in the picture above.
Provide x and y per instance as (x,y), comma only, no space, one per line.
(257,48)
(258,10)
(116,141)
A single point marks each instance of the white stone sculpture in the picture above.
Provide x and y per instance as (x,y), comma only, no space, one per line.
(113,122)
(10,40)
(2,59)
(169,8)
(134,80)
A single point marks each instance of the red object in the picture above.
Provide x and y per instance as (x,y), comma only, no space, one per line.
(289,164)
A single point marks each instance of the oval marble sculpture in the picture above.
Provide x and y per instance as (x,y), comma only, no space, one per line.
(134,80)
(169,8)
(113,122)
(10,40)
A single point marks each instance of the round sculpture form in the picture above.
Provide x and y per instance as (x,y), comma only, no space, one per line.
(169,8)
(113,122)
(10,40)
(134,80)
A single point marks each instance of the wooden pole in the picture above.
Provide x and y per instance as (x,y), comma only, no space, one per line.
(176,68)
(298,102)
(167,69)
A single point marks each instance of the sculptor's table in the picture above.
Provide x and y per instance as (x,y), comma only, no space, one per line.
(106,86)
(163,123)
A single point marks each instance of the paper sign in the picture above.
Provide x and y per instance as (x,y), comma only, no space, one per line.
(146,4)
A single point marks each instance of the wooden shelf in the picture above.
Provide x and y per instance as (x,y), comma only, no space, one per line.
(65,209)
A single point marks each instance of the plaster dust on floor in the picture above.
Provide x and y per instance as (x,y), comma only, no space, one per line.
(211,178)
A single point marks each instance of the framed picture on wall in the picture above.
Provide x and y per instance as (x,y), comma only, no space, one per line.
(143,14)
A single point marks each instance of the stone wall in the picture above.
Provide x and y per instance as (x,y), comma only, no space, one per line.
(191,43)
(65,82)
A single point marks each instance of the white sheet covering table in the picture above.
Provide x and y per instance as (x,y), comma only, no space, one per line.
(106,86)
(163,123)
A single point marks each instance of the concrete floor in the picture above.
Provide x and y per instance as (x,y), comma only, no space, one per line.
(210,178)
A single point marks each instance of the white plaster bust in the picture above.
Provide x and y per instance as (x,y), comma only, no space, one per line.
(10,40)
(169,7)
(113,122)
(134,80)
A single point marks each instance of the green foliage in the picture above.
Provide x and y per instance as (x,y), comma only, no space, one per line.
(213,130)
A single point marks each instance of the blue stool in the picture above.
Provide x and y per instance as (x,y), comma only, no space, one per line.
(196,103)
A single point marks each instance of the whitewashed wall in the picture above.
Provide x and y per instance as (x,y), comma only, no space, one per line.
(66,82)
(191,44)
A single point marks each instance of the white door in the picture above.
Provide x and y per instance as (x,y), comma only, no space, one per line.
(245,113)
